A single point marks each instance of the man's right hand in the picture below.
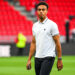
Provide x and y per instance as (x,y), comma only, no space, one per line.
(28,66)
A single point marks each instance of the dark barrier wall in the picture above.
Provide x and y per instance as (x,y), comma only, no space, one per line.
(67,49)
(14,50)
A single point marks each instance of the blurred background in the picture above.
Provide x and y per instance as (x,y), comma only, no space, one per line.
(16,21)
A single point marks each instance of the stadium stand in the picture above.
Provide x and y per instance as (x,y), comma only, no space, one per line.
(59,11)
(12,22)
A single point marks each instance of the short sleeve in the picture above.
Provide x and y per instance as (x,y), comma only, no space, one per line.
(54,29)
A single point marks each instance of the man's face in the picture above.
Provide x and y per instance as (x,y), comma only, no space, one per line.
(42,11)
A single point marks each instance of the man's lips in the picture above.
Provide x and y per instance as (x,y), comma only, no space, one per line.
(41,14)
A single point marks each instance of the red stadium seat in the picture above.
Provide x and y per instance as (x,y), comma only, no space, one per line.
(12,21)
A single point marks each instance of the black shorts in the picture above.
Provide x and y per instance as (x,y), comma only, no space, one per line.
(43,66)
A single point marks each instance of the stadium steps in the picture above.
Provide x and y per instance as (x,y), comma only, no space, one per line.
(23,11)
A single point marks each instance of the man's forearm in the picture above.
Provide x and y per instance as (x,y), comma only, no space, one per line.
(32,50)
(58,45)
(58,48)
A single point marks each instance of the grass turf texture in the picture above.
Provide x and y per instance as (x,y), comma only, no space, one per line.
(17,66)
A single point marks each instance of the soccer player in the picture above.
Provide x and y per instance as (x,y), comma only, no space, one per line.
(44,41)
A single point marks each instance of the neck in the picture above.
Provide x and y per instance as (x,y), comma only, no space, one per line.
(42,19)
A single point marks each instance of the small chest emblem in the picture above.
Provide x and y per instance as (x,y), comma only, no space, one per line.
(44,29)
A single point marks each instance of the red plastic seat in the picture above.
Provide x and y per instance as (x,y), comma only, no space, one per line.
(12,21)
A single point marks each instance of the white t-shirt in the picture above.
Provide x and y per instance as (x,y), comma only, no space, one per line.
(43,32)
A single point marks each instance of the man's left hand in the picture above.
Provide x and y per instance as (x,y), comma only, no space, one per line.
(59,64)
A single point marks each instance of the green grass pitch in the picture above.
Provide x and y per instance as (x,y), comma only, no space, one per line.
(17,66)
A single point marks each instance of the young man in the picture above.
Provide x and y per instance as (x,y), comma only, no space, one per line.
(45,39)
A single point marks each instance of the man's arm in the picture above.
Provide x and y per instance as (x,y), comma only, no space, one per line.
(32,50)
(59,52)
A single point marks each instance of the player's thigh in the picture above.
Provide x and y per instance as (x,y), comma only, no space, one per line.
(46,66)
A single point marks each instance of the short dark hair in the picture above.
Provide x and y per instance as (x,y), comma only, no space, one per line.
(41,3)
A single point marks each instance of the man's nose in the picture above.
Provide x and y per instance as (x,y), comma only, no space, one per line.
(41,11)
